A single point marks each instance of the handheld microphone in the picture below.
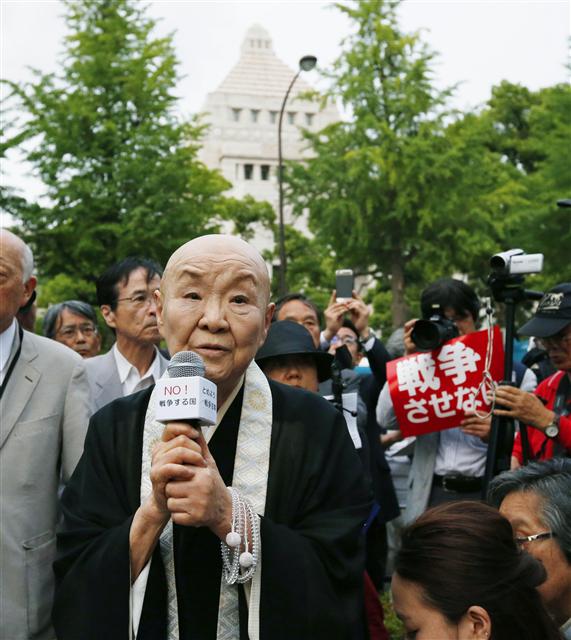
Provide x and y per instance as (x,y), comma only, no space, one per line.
(186,396)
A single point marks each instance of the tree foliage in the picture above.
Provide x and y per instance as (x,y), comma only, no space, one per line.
(532,130)
(310,270)
(119,166)
(405,189)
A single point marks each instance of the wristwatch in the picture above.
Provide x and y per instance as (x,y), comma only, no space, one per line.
(370,334)
(552,430)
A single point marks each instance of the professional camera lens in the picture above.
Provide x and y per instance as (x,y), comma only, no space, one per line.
(431,334)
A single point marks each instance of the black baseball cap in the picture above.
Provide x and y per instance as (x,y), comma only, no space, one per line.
(553,313)
(287,338)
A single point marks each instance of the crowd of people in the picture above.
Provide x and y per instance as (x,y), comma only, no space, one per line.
(278,520)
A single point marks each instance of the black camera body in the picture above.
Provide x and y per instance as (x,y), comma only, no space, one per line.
(431,334)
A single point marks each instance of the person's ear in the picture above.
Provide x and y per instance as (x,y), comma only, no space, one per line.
(267,321)
(28,290)
(159,302)
(108,315)
(269,314)
(475,624)
(160,307)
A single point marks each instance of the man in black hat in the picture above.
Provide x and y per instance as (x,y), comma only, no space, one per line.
(548,409)
(289,355)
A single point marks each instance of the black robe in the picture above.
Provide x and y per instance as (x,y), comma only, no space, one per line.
(312,555)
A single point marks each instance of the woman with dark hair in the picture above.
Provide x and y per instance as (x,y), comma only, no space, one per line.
(460,575)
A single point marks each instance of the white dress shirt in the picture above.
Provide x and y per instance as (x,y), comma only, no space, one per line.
(458,452)
(129,376)
(7,338)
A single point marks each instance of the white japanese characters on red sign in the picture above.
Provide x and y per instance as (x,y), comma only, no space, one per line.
(434,391)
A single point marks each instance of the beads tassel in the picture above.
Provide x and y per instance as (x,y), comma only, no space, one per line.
(239,566)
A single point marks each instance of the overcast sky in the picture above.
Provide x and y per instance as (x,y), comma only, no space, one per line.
(480,42)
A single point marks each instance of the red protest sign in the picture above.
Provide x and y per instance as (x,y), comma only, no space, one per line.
(433,391)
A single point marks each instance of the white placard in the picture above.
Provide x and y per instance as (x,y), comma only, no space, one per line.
(192,398)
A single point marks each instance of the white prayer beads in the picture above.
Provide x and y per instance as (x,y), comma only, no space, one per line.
(239,566)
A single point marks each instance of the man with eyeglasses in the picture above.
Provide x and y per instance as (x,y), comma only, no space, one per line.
(548,410)
(125,293)
(74,324)
(536,499)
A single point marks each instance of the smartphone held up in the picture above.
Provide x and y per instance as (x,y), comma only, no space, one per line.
(344,284)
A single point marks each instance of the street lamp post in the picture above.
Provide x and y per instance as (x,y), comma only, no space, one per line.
(305,64)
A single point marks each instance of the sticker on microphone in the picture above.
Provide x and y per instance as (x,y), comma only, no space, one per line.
(188,398)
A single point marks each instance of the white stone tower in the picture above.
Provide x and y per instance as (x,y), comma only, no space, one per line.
(243,115)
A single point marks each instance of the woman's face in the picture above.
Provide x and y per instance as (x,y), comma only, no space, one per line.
(424,622)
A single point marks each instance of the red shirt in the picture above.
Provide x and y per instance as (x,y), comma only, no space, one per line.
(547,391)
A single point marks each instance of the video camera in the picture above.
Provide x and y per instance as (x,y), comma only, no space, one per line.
(516,262)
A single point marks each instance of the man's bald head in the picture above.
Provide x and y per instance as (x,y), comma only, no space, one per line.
(220,247)
(10,241)
(16,280)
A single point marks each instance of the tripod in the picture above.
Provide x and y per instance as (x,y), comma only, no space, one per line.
(509,290)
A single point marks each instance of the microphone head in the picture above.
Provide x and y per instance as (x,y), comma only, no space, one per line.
(186,364)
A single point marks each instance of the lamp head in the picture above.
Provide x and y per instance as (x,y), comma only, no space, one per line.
(307,63)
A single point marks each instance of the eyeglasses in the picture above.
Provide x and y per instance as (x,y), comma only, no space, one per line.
(560,339)
(523,540)
(345,340)
(140,300)
(71,331)
(459,317)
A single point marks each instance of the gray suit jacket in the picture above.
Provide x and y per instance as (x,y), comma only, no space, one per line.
(104,381)
(44,415)
(421,475)
(423,462)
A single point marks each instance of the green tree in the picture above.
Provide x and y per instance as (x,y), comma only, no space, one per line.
(532,130)
(119,166)
(507,112)
(310,270)
(404,190)
(548,227)
(65,287)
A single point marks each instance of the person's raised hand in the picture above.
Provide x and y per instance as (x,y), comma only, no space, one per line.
(523,406)
(176,456)
(360,313)
(201,500)
(409,346)
(334,316)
